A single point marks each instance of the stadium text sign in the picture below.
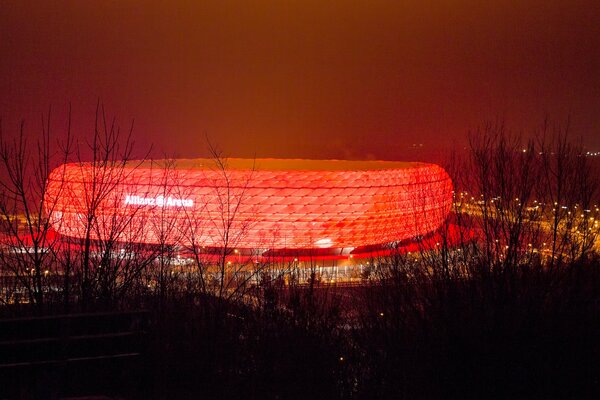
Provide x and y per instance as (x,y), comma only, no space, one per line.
(160,201)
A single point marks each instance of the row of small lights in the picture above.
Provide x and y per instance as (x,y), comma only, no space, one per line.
(588,154)
(498,198)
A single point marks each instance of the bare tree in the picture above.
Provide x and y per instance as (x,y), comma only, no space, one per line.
(101,258)
(25,209)
(567,188)
(213,239)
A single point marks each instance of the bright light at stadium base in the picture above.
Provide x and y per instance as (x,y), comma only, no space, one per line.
(264,203)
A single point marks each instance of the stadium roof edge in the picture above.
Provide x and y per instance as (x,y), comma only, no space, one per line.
(277,164)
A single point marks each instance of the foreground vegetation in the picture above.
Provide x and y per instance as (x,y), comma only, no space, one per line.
(500,332)
(505,305)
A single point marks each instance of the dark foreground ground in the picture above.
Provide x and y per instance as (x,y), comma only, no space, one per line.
(502,334)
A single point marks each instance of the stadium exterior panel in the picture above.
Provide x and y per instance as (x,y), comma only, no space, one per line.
(251,204)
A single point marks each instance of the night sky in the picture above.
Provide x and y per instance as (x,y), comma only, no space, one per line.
(315,79)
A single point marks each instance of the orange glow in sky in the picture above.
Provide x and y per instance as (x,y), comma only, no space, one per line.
(304,79)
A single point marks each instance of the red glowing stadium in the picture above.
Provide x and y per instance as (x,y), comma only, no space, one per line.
(251,204)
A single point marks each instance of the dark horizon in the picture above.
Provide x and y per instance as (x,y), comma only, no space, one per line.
(369,80)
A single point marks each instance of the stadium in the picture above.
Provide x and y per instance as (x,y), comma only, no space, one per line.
(266,204)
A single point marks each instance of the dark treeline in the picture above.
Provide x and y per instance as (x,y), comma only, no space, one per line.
(503,303)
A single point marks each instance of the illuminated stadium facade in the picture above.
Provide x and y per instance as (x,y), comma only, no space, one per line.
(251,204)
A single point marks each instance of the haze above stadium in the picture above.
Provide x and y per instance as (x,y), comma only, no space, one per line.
(305,79)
